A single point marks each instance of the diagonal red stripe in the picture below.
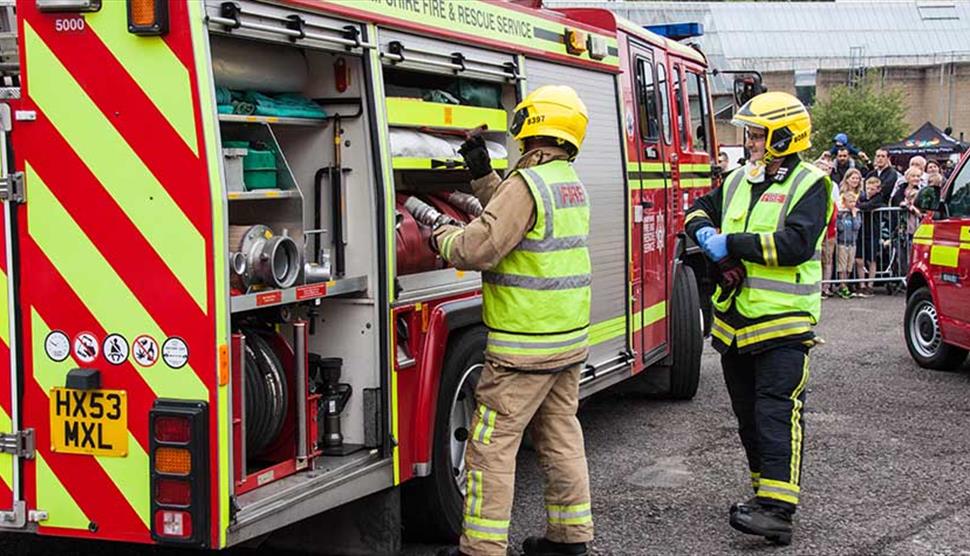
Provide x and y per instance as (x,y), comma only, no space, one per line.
(145,273)
(60,308)
(136,118)
(179,36)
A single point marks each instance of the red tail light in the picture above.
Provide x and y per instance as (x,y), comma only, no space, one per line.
(173,523)
(172,492)
(173,429)
(179,467)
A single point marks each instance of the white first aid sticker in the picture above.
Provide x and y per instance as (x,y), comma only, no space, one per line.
(145,350)
(175,352)
(86,347)
(57,346)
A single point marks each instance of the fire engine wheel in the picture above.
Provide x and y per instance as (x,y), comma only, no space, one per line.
(923,336)
(686,335)
(433,505)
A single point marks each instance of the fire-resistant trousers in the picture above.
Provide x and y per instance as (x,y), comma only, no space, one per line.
(767,392)
(508,400)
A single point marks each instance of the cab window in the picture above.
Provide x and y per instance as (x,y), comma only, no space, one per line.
(647,101)
(664,101)
(958,203)
(700,121)
(678,80)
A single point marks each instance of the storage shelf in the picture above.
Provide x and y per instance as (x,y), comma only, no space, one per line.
(243,119)
(296,294)
(261,194)
(409,112)
(406,163)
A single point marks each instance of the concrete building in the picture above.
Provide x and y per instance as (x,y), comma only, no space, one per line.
(806,48)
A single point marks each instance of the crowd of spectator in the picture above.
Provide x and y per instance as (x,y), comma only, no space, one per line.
(864,238)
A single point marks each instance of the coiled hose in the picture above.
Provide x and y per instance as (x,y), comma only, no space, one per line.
(267,396)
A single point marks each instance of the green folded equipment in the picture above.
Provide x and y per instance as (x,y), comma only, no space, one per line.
(286,105)
(248,103)
(259,169)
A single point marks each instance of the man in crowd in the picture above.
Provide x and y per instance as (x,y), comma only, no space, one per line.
(884,171)
(844,162)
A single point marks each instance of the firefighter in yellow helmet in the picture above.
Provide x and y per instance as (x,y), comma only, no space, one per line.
(530,244)
(763,229)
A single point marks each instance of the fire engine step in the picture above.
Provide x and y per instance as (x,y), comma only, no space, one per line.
(334,481)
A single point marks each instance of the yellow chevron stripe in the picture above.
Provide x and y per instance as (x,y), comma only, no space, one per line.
(152,64)
(62,510)
(130,473)
(117,167)
(200,41)
(96,283)
(6,460)
(4,310)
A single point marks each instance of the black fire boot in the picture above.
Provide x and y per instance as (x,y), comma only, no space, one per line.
(737,505)
(539,546)
(774,523)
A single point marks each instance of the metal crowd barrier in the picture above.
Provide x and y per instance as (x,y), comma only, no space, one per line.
(882,250)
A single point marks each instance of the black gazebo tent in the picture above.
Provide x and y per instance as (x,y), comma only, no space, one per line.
(928,141)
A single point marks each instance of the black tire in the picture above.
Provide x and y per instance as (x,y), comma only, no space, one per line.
(921,328)
(686,335)
(433,505)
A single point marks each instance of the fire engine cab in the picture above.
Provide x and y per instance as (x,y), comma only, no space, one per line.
(220,313)
(937,322)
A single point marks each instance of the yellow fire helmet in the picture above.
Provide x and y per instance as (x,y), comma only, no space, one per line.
(551,111)
(785,119)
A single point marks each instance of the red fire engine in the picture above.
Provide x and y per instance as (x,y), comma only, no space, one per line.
(221,315)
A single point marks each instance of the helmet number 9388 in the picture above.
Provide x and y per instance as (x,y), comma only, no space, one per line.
(69,24)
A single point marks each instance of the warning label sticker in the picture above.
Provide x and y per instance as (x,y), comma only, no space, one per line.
(57,346)
(115,349)
(86,347)
(145,350)
(175,352)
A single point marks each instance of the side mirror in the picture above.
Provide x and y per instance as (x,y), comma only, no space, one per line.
(928,199)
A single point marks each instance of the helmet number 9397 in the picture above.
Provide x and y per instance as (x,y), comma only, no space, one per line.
(69,24)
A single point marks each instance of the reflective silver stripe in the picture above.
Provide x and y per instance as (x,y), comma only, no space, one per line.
(483,429)
(783,287)
(471,492)
(535,283)
(485,529)
(818,255)
(724,331)
(742,336)
(803,173)
(551,244)
(555,514)
(540,345)
(732,187)
(546,196)
(775,490)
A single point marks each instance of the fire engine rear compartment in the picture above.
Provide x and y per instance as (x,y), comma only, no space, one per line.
(308,392)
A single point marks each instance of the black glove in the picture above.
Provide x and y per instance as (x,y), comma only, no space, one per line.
(732,273)
(475,153)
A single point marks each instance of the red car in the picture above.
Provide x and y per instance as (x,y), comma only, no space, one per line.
(937,322)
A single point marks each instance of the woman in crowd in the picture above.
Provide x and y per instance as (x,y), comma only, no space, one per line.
(852,182)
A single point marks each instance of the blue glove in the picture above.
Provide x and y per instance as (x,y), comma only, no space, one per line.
(704,234)
(716,247)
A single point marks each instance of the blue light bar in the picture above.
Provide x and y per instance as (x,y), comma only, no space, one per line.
(677,31)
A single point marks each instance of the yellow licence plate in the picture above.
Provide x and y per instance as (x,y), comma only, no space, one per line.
(93,422)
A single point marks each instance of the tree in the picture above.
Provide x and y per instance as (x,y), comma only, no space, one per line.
(871,116)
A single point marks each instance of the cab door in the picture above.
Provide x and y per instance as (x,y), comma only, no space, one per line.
(653,141)
(13,443)
(950,258)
